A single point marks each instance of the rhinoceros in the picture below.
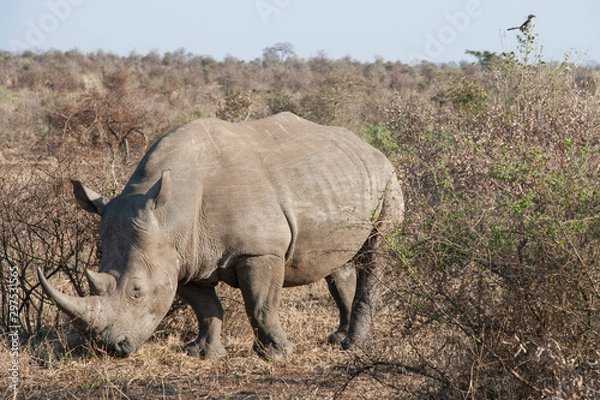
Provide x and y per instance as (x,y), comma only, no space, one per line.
(259,205)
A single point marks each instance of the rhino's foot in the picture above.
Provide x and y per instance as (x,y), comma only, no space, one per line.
(274,349)
(350,343)
(337,337)
(202,349)
(347,344)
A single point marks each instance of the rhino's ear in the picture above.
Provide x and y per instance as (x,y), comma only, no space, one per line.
(163,194)
(101,284)
(89,200)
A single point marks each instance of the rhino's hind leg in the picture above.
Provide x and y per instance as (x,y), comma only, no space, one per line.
(368,290)
(261,282)
(371,261)
(208,309)
(342,286)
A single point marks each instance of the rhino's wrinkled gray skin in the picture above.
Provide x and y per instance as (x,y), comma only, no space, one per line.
(259,205)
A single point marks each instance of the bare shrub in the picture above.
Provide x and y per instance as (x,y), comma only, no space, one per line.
(500,244)
(101,119)
(40,228)
(235,106)
(330,99)
(280,101)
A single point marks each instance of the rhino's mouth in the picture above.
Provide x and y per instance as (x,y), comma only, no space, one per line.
(122,346)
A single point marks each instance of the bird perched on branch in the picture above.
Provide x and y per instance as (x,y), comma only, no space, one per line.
(525,25)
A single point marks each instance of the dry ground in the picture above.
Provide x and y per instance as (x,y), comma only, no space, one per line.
(161,371)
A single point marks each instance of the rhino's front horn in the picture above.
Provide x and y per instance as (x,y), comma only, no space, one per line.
(82,310)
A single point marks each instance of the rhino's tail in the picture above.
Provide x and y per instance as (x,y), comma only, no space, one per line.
(392,208)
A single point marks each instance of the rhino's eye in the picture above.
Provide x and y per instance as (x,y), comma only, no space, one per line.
(136,291)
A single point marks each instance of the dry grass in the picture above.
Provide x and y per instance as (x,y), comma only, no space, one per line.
(160,370)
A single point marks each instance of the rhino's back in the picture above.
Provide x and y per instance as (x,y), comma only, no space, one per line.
(322,168)
(281,184)
(331,182)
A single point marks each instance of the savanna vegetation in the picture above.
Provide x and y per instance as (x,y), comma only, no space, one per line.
(493,288)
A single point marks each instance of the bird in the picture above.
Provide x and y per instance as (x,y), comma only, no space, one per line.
(525,25)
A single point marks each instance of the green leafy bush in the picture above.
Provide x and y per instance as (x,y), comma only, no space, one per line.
(501,241)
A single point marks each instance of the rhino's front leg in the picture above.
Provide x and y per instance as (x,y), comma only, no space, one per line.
(261,282)
(208,309)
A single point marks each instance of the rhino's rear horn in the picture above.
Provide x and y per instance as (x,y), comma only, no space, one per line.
(82,310)
(101,284)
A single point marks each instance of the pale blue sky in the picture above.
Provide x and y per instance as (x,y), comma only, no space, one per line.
(436,30)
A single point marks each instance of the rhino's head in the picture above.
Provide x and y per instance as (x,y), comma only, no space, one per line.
(139,269)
